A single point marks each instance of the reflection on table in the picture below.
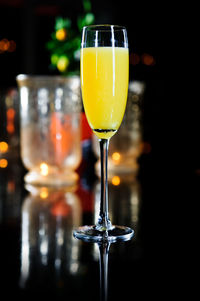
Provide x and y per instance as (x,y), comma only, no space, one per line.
(50,260)
(48,217)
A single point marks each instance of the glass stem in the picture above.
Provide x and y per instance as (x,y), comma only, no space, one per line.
(104,223)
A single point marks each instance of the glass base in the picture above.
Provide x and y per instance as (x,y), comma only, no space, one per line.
(91,234)
(52,179)
(118,169)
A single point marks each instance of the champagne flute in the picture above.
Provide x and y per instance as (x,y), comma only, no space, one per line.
(104,84)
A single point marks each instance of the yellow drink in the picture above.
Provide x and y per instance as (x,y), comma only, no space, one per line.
(104,82)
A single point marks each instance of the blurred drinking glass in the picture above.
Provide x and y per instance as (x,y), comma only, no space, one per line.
(125,148)
(50,111)
(49,215)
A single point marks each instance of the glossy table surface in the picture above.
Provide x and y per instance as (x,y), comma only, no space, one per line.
(40,258)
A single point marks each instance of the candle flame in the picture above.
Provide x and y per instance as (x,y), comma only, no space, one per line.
(44,169)
(44,193)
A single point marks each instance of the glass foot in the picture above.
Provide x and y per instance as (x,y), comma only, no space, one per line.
(90,233)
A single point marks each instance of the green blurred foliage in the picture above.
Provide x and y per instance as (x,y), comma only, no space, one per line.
(65,42)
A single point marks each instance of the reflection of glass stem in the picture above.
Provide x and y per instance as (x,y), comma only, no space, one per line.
(103,265)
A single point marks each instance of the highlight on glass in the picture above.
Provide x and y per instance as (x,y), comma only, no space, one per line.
(104,83)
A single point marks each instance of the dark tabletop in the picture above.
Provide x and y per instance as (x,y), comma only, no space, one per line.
(39,257)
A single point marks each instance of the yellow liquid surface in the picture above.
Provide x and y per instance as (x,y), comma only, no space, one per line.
(104,83)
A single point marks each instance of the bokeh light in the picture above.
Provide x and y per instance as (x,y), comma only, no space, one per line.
(3,163)
(3,147)
(7,46)
(61,34)
(116,180)
(116,157)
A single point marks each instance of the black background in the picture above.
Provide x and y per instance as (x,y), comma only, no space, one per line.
(170,172)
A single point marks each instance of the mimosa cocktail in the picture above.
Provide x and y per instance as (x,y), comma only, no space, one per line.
(104,81)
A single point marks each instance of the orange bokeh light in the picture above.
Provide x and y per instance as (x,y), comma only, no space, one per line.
(148,59)
(6,45)
(116,180)
(10,113)
(3,147)
(10,128)
(3,163)
(10,120)
(116,157)
(61,34)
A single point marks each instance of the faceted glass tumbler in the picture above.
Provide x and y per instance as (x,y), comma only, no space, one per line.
(50,128)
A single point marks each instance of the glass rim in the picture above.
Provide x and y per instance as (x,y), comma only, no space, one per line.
(32,79)
(104,27)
